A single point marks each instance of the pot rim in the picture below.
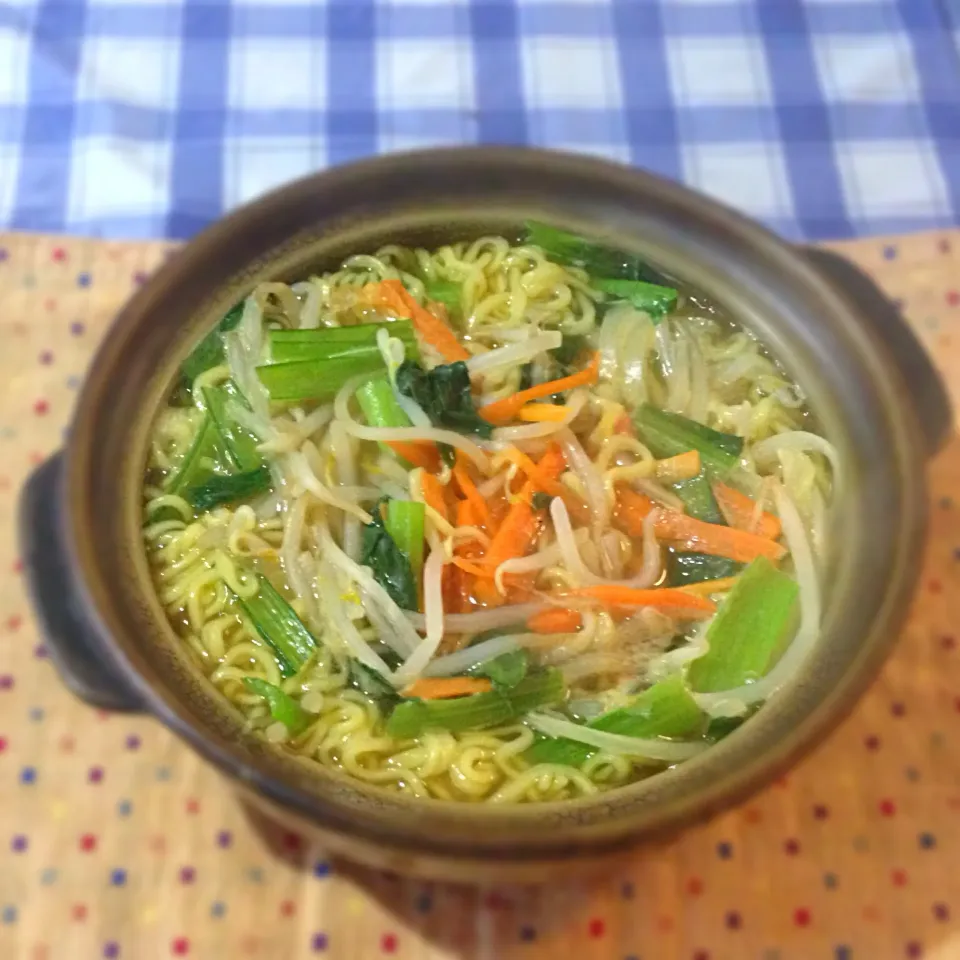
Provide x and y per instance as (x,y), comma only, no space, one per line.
(731,769)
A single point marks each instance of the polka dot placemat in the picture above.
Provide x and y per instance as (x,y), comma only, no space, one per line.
(116,842)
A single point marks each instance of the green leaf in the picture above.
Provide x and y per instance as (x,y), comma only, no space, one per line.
(480,710)
(664,710)
(370,683)
(574,251)
(228,488)
(279,627)
(209,351)
(199,462)
(670,434)
(447,292)
(330,343)
(698,498)
(652,298)
(405,522)
(505,671)
(238,444)
(686,568)
(391,566)
(316,379)
(282,706)
(540,500)
(445,395)
(748,629)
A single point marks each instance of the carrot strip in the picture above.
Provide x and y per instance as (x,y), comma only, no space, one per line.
(664,598)
(630,510)
(441,688)
(555,620)
(419,453)
(578,509)
(433,494)
(687,533)
(543,413)
(468,488)
(507,408)
(394,296)
(469,567)
(707,587)
(739,511)
(684,466)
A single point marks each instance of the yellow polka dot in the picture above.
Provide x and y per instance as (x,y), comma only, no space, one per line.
(354,906)
(149,916)
(58,810)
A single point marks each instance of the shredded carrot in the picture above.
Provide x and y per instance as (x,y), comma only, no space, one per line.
(417,453)
(441,688)
(684,466)
(578,509)
(502,410)
(664,598)
(555,620)
(461,473)
(433,494)
(740,511)
(624,425)
(543,413)
(631,510)
(468,566)
(395,297)
(687,533)
(459,583)
(707,587)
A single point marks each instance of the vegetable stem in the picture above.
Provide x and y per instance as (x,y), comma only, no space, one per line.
(282,706)
(669,434)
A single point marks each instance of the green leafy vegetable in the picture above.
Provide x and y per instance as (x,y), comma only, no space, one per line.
(330,343)
(570,352)
(652,298)
(687,568)
(282,706)
(540,500)
(664,710)
(447,292)
(199,462)
(720,727)
(391,566)
(370,683)
(316,379)
(209,351)
(405,522)
(238,444)
(751,624)
(412,717)
(227,488)
(670,434)
(574,251)
(698,498)
(505,671)
(445,396)
(281,629)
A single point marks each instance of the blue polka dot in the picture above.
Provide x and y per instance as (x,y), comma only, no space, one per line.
(912,774)
(830,881)
(118,877)
(927,841)
(9,914)
(111,950)
(255,875)
(48,877)
(73,381)
(528,934)
(889,252)
(28,775)
(319,942)
(724,850)
(83,280)
(424,903)
(163,773)
(627,890)
(842,952)
(217,909)
(36,714)
(124,807)
(861,844)
(321,869)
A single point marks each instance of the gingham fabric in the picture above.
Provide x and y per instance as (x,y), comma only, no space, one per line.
(823,118)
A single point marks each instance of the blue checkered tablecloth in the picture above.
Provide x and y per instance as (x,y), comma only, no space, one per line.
(147,118)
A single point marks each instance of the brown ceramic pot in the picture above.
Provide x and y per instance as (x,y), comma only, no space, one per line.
(871,386)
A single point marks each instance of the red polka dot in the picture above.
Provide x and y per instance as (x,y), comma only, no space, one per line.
(664,923)
(292,841)
(3,744)
(288,908)
(753,815)
(495,901)
(870,912)
(887,808)
(79,912)
(88,842)
(597,927)
(953,298)
(388,943)
(935,586)
(701,955)
(67,743)
(59,254)
(158,844)
(791,847)
(898,877)
(801,917)
(14,622)
(694,886)
(944,245)
(41,408)
(17,566)
(193,805)
(50,303)
(180,947)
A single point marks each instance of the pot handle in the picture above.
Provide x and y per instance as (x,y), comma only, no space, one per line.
(920,375)
(71,639)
